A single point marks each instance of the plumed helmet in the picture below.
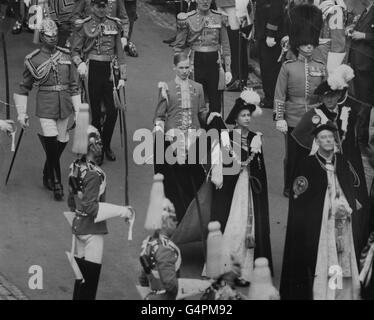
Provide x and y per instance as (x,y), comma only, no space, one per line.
(48,27)
(305,26)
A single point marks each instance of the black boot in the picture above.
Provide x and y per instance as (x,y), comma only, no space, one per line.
(52,151)
(47,181)
(78,283)
(88,289)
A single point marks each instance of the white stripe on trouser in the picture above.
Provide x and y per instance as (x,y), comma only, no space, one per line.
(90,246)
(55,127)
(369,172)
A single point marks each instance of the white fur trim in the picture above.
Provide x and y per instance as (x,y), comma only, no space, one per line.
(344,117)
(256,143)
(164,88)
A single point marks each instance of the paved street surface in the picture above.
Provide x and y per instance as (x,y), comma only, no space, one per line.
(33,230)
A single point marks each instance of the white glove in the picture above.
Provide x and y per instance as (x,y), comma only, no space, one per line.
(270,42)
(127,213)
(6,125)
(124,42)
(23,119)
(121,84)
(21,106)
(211,116)
(159,126)
(282,126)
(228,77)
(82,69)
(77,101)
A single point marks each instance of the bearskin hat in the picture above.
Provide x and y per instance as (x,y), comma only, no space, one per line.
(305,26)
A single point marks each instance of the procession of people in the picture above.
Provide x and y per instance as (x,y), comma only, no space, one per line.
(210,168)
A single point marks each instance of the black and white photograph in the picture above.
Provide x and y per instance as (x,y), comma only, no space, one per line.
(191,150)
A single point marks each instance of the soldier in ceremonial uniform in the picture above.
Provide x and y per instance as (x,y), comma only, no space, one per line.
(160,257)
(115,8)
(52,71)
(98,44)
(87,186)
(298,78)
(203,32)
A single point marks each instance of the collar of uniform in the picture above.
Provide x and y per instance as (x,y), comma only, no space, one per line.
(98,19)
(48,51)
(302,58)
(180,81)
(324,160)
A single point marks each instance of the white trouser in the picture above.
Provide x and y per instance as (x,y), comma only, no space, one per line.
(90,246)
(53,128)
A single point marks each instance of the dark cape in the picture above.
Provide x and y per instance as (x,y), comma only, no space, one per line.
(304,225)
(222,198)
(350,149)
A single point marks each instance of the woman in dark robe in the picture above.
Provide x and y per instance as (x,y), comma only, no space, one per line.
(241,202)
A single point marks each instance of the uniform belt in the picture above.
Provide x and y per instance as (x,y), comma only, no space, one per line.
(97,57)
(59,87)
(79,213)
(205,49)
(324,40)
(301,102)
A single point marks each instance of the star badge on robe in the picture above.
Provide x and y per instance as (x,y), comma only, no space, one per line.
(300,185)
(316,120)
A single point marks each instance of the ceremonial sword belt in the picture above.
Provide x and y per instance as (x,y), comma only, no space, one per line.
(206,48)
(103,58)
(58,87)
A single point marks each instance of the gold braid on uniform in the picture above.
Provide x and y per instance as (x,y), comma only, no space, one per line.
(41,73)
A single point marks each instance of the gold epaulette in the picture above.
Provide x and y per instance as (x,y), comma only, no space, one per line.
(32,54)
(290,60)
(317,60)
(78,23)
(185,15)
(64,50)
(216,12)
(115,19)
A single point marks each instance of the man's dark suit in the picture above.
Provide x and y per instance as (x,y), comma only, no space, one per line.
(361,58)
(269,16)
